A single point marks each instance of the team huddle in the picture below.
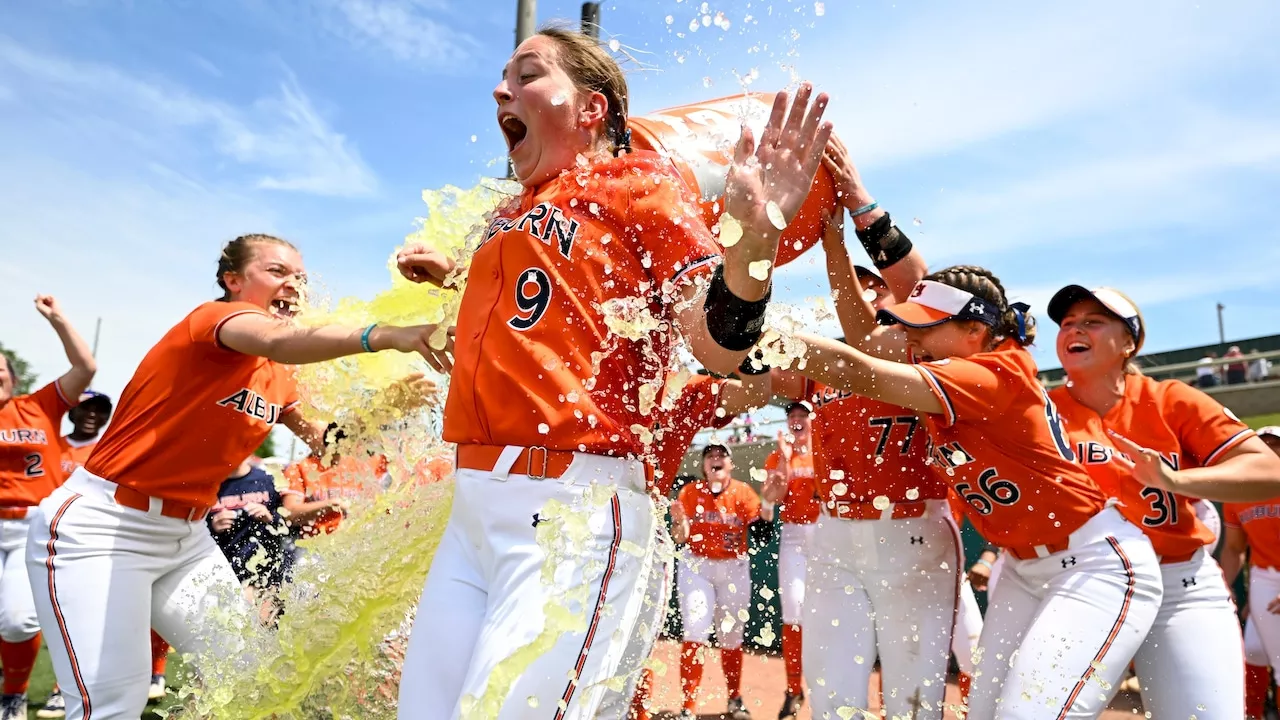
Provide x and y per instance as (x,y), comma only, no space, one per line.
(571,412)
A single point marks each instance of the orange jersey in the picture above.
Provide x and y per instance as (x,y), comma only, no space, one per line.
(864,448)
(1261,525)
(693,410)
(999,442)
(74,454)
(800,505)
(718,523)
(30,456)
(193,411)
(535,363)
(350,478)
(1187,427)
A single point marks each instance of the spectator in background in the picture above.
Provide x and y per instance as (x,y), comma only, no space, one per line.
(247,526)
(1207,373)
(1260,369)
(1236,371)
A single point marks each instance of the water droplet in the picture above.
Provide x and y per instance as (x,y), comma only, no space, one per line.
(533,701)
(759,270)
(558,99)
(543,428)
(706,81)
(670,19)
(819,9)
(775,215)
(706,21)
(614,45)
(473,138)
(730,230)
(881,503)
(693,25)
(913,493)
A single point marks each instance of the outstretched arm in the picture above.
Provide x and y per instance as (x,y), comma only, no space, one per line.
(264,336)
(83,365)
(845,368)
(1248,472)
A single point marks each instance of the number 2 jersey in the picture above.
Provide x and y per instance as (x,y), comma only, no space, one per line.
(30,456)
(536,362)
(1187,427)
(1001,446)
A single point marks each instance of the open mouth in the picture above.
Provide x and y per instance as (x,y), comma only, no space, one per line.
(284,307)
(513,129)
(717,468)
(1076,348)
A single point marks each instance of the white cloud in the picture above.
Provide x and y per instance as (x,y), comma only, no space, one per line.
(282,139)
(402,28)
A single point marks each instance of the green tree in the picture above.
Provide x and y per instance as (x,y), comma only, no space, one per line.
(267,448)
(23,377)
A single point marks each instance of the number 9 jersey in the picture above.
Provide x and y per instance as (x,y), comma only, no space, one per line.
(1187,427)
(1000,444)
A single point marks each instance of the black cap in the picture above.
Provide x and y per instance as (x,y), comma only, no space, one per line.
(1117,304)
(798,405)
(95,398)
(716,446)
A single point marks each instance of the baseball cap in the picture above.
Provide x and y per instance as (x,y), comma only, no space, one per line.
(1272,430)
(97,397)
(798,405)
(933,303)
(717,446)
(1119,305)
(864,272)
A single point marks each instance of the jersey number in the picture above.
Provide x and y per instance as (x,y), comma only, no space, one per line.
(1164,507)
(1055,428)
(533,295)
(886,426)
(35,465)
(991,491)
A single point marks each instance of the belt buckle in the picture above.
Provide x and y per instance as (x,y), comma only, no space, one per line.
(542,474)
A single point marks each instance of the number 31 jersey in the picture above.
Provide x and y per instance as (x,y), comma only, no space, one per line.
(536,363)
(1000,444)
(1187,427)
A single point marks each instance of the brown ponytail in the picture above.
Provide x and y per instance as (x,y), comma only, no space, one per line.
(237,254)
(983,284)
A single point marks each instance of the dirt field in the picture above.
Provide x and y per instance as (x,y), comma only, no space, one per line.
(763,685)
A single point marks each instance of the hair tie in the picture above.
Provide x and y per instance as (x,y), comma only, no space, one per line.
(624,141)
(1020,312)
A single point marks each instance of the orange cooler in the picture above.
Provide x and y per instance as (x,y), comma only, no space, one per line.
(700,139)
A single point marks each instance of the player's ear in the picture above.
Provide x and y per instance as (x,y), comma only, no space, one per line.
(595,109)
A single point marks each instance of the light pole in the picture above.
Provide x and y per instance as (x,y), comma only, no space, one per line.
(591,19)
(1222,336)
(526,19)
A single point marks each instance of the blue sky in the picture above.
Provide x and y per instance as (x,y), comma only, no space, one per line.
(1134,144)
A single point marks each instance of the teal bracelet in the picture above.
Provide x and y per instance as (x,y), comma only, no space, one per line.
(364,337)
(864,209)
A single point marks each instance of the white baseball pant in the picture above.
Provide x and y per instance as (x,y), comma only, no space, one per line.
(793,569)
(546,593)
(1254,652)
(103,575)
(886,588)
(714,594)
(1192,661)
(1264,586)
(1061,629)
(968,629)
(18,621)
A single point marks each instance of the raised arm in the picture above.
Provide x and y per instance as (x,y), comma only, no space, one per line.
(853,308)
(837,365)
(1249,472)
(419,263)
(83,366)
(264,336)
(766,186)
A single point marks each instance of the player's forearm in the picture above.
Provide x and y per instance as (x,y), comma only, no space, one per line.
(1232,562)
(857,319)
(83,364)
(846,368)
(305,513)
(902,276)
(1248,475)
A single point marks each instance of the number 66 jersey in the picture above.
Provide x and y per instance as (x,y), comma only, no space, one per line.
(1185,426)
(1001,446)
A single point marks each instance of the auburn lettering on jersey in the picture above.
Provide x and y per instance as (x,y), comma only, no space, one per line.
(1261,525)
(800,504)
(1001,446)
(535,361)
(1185,426)
(864,449)
(718,521)
(73,453)
(193,411)
(30,458)
(694,409)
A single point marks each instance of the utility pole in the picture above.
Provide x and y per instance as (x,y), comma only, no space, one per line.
(97,330)
(526,19)
(591,19)
(1222,335)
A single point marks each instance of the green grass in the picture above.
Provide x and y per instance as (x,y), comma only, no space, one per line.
(1258,421)
(42,682)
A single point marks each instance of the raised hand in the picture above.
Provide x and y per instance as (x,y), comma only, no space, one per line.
(418,263)
(1145,464)
(422,339)
(48,307)
(779,170)
(853,194)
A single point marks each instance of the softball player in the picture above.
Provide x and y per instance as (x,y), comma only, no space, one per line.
(713,515)
(1254,528)
(1191,662)
(132,519)
(1081,585)
(543,391)
(790,467)
(30,469)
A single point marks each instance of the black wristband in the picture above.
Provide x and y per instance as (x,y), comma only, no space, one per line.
(734,323)
(884,242)
(748,366)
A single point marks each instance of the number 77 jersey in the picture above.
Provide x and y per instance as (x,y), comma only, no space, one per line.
(1001,446)
(1185,426)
